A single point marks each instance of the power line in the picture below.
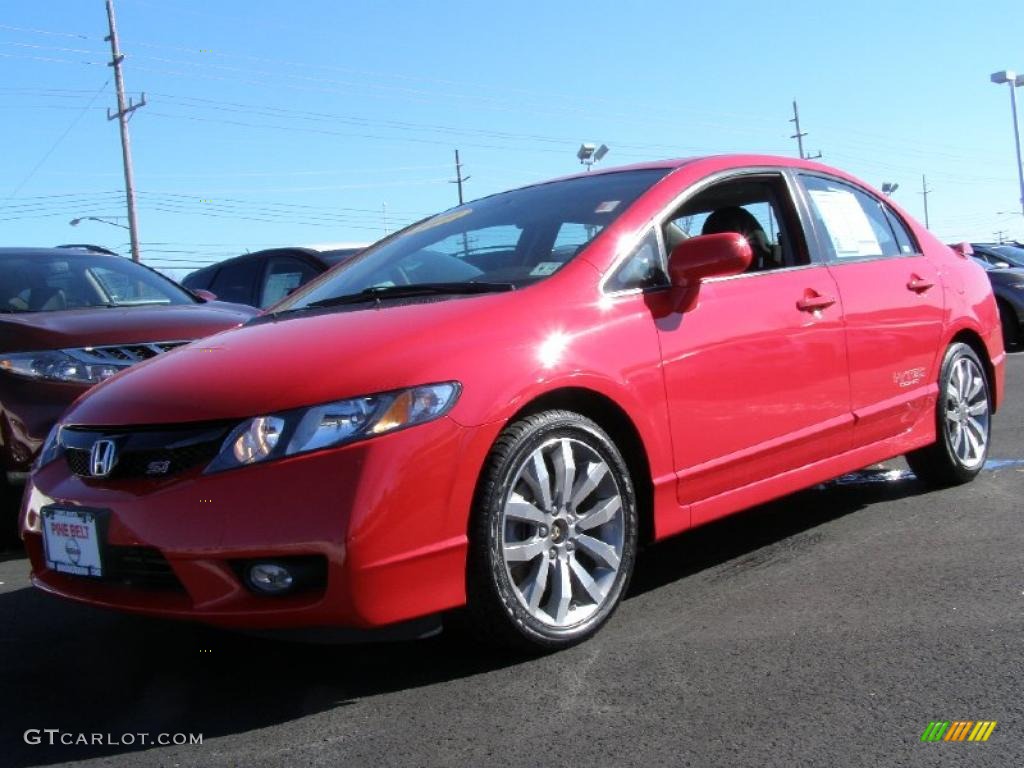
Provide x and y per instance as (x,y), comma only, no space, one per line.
(44,32)
(57,143)
(299,206)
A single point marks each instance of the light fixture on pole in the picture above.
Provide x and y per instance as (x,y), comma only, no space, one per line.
(76,222)
(1015,81)
(589,154)
(888,187)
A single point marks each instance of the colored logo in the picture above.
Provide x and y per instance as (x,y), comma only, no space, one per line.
(958,730)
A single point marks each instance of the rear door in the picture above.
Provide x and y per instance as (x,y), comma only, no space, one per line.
(892,301)
(236,280)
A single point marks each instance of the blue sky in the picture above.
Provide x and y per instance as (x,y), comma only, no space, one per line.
(320,121)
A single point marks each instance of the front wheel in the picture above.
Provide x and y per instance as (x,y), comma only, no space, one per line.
(963,422)
(554,534)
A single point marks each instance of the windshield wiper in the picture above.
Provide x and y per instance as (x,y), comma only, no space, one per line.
(378,292)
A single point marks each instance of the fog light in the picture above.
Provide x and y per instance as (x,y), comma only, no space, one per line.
(269,578)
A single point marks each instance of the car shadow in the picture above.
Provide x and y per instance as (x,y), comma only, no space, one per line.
(750,538)
(88,671)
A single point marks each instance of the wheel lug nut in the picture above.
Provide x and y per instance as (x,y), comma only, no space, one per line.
(543,530)
(553,553)
(570,546)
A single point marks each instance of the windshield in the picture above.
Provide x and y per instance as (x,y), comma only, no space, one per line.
(512,239)
(48,282)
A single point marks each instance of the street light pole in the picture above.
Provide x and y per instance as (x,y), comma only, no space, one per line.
(1013,80)
(79,220)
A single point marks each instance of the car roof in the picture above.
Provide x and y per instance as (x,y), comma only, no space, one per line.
(715,162)
(61,251)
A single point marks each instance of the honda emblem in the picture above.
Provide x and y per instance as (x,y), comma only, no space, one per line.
(102,458)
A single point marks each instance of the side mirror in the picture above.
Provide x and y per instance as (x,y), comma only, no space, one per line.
(719,255)
(963,249)
(204,294)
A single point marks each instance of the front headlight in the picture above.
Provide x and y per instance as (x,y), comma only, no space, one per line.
(1018,286)
(54,365)
(52,448)
(326,426)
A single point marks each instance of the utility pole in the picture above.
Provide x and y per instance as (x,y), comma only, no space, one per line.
(459,178)
(1000,235)
(799,135)
(124,111)
(924,193)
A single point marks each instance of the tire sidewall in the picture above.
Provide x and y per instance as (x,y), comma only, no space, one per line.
(578,428)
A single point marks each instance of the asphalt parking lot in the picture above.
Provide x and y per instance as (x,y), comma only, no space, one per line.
(828,629)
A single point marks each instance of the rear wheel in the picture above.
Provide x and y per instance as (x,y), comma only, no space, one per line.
(963,422)
(554,534)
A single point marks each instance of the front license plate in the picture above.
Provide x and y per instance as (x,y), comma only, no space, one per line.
(71,541)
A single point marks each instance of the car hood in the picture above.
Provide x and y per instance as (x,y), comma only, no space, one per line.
(304,360)
(98,326)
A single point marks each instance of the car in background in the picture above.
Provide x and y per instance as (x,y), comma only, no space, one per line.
(1008,286)
(263,278)
(1000,254)
(493,408)
(69,318)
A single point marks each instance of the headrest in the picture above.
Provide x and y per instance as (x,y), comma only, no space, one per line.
(733,219)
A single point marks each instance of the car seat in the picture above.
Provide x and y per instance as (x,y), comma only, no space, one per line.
(736,219)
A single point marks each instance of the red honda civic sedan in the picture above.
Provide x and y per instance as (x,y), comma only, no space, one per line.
(491,409)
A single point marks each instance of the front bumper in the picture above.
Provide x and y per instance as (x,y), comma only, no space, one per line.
(388,515)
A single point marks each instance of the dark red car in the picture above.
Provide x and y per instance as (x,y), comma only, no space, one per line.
(69,318)
(490,409)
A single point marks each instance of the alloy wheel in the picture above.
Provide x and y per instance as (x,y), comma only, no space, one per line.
(563,532)
(967,413)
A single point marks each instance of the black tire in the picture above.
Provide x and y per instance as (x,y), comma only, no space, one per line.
(1011,327)
(495,610)
(10,500)
(939,464)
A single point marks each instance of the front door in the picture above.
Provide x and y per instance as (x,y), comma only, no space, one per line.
(756,373)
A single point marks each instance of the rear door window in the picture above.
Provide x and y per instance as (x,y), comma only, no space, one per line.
(237,282)
(854,224)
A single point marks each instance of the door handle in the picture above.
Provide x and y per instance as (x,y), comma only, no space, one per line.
(813,302)
(919,284)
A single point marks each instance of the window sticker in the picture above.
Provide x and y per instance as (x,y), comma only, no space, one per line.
(848,226)
(545,268)
(607,206)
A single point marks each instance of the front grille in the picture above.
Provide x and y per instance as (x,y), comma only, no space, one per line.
(145,453)
(150,463)
(122,354)
(78,461)
(141,567)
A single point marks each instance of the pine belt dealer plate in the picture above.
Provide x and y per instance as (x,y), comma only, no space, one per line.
(71,541)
